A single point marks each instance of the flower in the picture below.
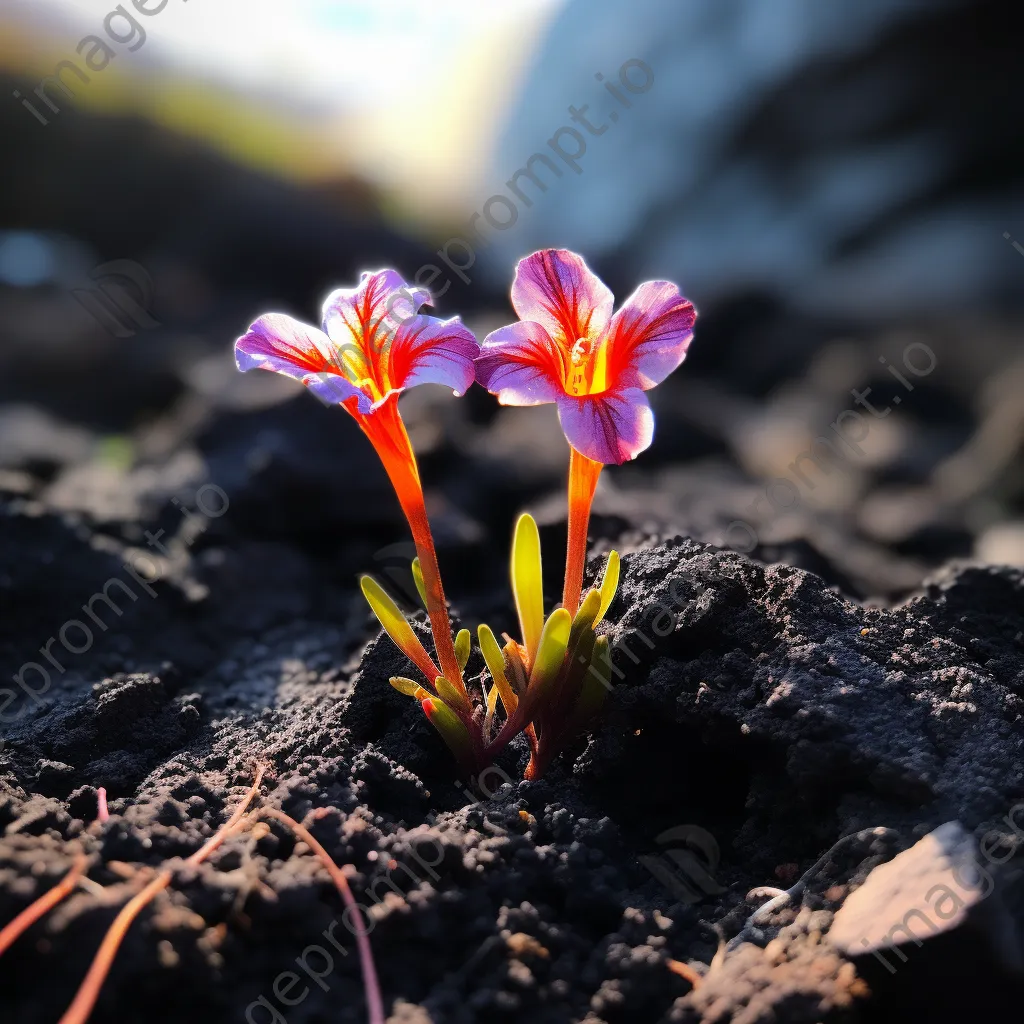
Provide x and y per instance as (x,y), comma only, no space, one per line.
(367,351)
(569,349)
(367,354)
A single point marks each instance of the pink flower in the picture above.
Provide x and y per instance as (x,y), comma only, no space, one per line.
(374,344)
(569,349)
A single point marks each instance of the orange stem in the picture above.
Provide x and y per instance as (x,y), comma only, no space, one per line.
(28,917)
(534,767)
(583,474)
(374,1002)
(85,998)
(389,437)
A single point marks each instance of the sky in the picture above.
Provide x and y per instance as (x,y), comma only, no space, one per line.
(374,75)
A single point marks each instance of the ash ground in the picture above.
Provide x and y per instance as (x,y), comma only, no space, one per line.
(859,670)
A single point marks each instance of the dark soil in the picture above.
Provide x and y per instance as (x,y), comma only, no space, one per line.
(857,680)
(850,675)
(756,702)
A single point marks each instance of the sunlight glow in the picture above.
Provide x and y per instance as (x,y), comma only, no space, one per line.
(369,77)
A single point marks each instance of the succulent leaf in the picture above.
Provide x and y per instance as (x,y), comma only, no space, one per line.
(450,694)
(395,625)
(593,689)
(609,584)
(517,673)
(452,729)
(550,655)
(462,647)
(417,575)
(586,616)
(492,706)
(527,587)
(496,666)
(407,686)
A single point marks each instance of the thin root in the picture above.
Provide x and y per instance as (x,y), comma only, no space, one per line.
(685,971)
(28,917)
(374,1002)
(102,814)
(781,897)
(85,998)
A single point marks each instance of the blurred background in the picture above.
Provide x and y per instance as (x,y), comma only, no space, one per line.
(839,188)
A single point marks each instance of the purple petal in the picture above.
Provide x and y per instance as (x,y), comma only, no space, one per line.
(557,290)
(279,343)
(333,389)
(427,350)
(521,365)
(611,428)
(649,336)
(368,315)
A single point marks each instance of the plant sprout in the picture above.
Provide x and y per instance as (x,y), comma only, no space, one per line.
(561,671)
(356,362)
(567,348)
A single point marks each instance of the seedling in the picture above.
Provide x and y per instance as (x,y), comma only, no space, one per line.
(566,348)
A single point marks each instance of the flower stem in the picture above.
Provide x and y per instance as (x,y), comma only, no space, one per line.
(389,437)
(583,474)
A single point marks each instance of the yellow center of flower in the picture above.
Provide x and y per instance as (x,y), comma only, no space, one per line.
(359,372)
(587,373)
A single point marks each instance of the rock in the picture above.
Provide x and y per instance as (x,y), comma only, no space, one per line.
(807,151)
(936,887)
(932,910)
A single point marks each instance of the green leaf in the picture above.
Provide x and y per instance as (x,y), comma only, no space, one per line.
(595,687)
(395,626)
(517,674)
(550,655)
(601,664)
(496,666)
(417,575)
(450,694)
(462,647)
(551,718)
(453,731)
(609,584)
(492,706)
(405,685)
(527,585)
(586,616)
